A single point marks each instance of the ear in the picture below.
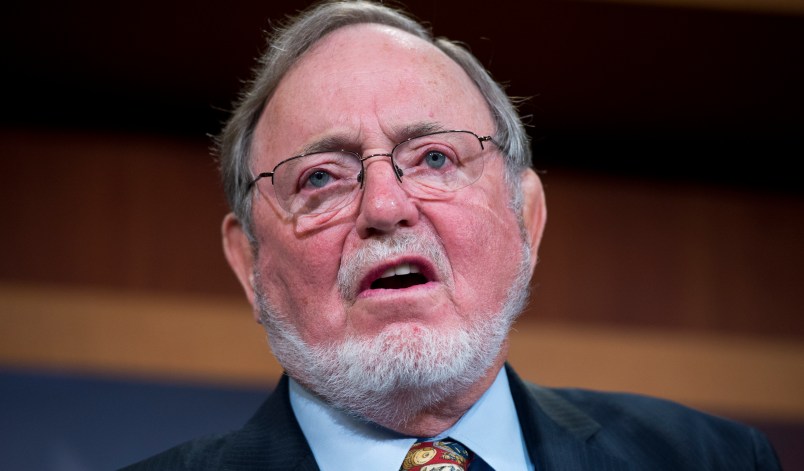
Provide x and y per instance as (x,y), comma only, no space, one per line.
(534,211)
(239,253)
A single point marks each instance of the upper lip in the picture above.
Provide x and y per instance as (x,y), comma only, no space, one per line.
(400,266)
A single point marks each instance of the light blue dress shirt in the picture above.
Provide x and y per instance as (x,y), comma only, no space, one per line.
(490,428)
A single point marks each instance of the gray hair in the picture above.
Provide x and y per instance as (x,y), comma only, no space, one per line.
(289,42)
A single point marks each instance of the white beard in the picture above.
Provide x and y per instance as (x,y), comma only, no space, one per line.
(406,368)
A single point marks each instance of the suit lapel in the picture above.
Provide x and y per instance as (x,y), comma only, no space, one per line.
(558,435)
(272,439)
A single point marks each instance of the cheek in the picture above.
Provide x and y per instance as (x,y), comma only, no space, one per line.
(483,242)
(300,279)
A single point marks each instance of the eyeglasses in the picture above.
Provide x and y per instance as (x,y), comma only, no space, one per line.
(432,165)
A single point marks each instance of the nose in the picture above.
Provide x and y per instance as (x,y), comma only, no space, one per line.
(384,204)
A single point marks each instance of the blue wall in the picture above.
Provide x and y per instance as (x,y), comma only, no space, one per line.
(52,422)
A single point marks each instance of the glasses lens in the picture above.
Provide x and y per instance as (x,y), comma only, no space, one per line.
(317,183)
(440,162)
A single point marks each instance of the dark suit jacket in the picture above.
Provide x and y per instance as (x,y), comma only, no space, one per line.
(565,430)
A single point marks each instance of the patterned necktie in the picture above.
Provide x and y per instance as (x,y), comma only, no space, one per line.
(443,455)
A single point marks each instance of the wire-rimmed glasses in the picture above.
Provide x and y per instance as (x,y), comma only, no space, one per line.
(428,166)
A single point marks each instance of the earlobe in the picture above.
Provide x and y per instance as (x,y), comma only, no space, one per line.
(239,253)
(534,210)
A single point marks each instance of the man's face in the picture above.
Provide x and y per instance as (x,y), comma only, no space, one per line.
(365,87)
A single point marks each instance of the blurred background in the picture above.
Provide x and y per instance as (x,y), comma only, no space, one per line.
(667,133)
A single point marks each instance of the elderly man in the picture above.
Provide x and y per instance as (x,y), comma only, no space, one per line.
(385,224)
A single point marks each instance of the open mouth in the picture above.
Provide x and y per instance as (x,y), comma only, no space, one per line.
(400,276)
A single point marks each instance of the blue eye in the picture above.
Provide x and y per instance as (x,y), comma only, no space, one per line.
(435,159)
(319,178)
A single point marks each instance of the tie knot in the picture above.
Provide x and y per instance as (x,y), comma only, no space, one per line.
(440,455)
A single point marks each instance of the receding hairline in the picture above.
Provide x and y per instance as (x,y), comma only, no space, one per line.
(391,30)
(418,46)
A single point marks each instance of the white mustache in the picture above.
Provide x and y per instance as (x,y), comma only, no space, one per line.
(377,250)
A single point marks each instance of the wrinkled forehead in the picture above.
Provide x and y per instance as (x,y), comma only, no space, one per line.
(368,81)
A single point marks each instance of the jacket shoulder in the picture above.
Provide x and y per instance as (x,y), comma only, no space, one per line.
(197,455)
(647,429)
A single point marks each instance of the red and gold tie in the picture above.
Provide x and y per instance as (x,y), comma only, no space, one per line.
(443,455)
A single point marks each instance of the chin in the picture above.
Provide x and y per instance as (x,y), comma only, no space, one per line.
(390,377)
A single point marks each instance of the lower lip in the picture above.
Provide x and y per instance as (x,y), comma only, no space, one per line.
(384,292)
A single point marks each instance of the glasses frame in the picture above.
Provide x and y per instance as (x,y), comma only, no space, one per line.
(361,158)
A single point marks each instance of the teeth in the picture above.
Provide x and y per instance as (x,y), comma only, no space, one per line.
(402,269)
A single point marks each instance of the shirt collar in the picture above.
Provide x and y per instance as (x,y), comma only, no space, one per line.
(490,428)
(341,441)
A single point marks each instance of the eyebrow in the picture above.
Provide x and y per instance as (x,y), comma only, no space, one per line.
(327,143)
(346,142)
(417,129)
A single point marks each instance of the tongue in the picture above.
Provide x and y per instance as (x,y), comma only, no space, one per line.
(399,281)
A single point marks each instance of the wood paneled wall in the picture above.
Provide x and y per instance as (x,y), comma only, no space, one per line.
(707,258)
(642,279)
(143,213)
